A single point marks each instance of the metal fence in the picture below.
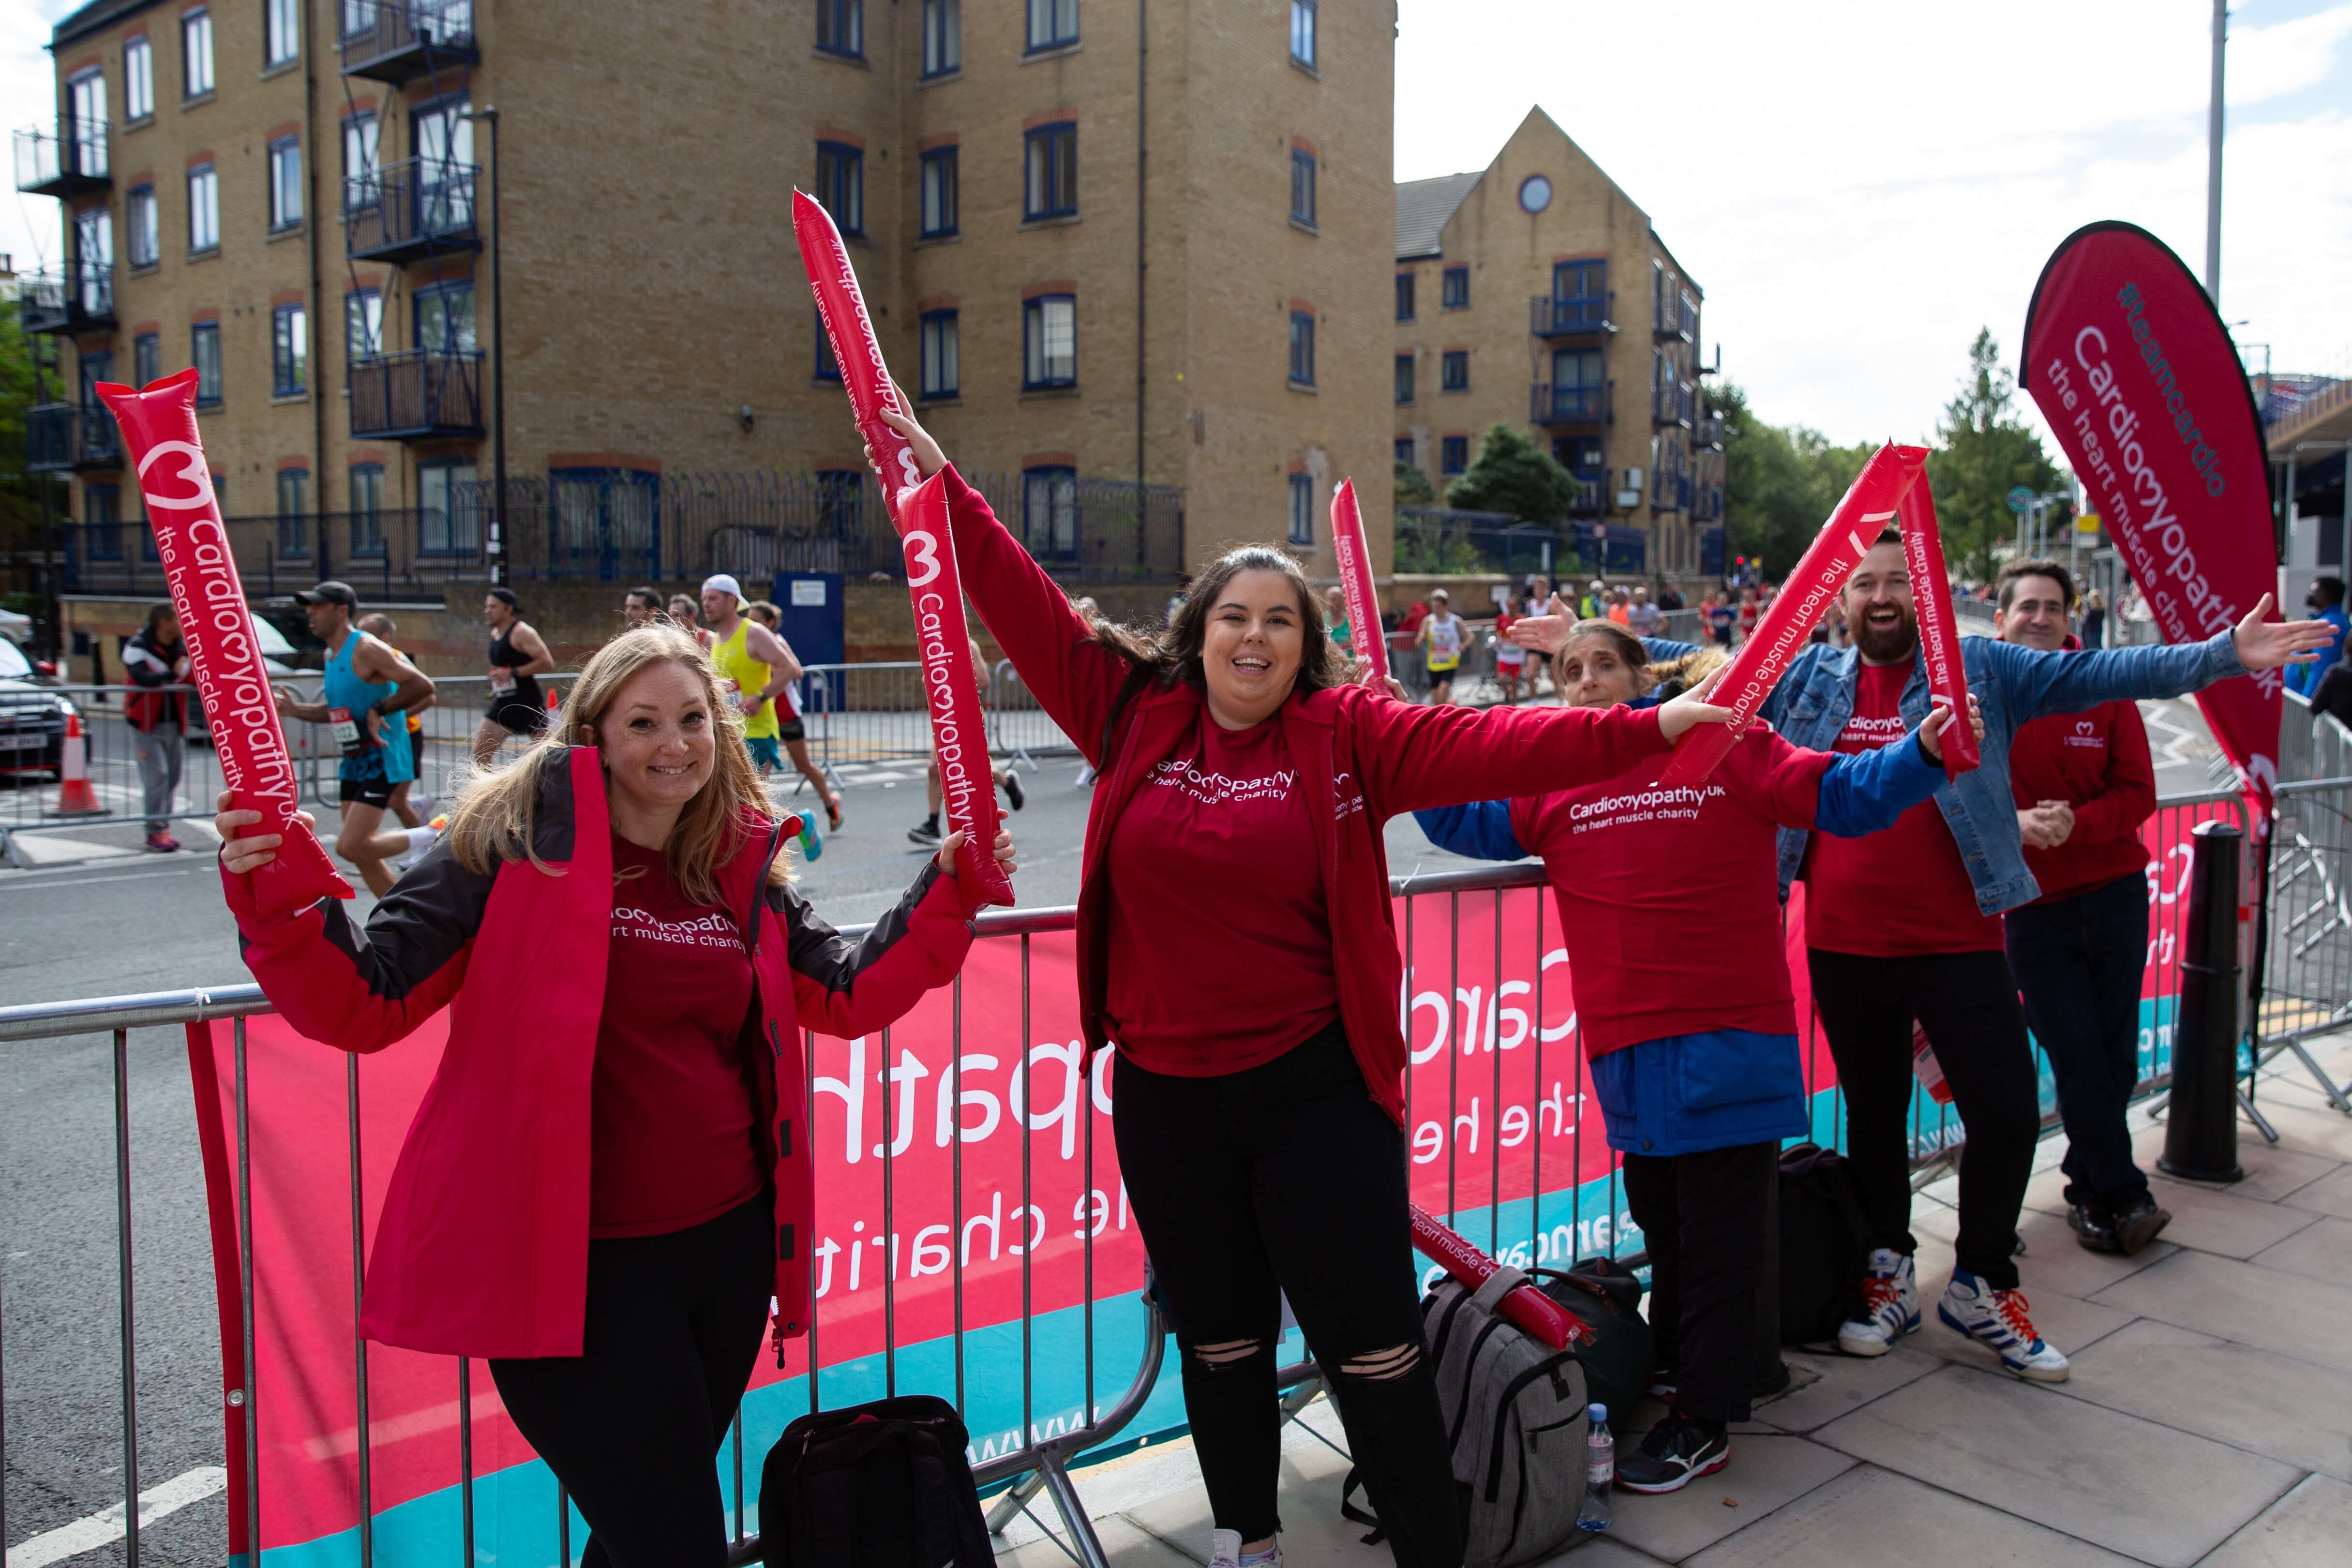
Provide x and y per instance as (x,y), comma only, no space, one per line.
(1479,951)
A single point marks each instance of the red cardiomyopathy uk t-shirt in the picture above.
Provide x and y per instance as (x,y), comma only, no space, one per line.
(1670,900)
(1899,893)
(670,1120)
(2097,762)
(1217,845)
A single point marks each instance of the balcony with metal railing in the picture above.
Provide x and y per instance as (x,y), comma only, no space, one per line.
(410,209)
(396,41)
(416,395)
(1672,404)
(1593,491)
(1552,404)
(1565,316)
(74,298)
(1707,431)
(61,437)
(64,159)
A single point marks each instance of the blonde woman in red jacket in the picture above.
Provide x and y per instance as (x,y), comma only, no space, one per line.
(609,1175)
(1233,939)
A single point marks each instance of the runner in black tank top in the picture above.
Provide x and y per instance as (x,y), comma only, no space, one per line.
(517,657)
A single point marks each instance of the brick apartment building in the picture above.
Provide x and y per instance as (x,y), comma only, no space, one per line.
(1535,292)
(1134,280)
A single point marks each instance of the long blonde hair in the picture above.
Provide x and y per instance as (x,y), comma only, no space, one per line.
(496,812)
(1670,679)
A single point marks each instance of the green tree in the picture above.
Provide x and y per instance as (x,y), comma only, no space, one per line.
(1513,474)
(1413,486)
(1781,483)
(1983,450)
(19,501)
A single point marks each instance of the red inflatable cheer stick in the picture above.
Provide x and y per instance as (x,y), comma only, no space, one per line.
(1940,632)
(159,427)
(919,510)
(1356,583)
(1869,505)
(1528,1307)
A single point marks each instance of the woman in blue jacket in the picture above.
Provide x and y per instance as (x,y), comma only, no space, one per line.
(1695,1066)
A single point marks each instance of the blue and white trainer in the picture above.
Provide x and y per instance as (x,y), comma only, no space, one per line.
(1996,1319)
(1890,1305)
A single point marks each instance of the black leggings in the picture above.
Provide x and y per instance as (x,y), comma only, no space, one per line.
(1286,1178)
(1703,1216)
(1968,1004)
(632,1428)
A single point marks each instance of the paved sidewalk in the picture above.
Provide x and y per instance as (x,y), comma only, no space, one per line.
(2209,1419)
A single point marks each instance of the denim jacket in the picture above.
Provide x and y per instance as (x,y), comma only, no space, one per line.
(1813,700)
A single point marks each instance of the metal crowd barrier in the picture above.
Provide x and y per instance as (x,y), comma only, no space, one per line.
(1479,1014)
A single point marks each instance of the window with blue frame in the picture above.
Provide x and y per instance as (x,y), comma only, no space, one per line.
(1580,293)
(1454,455)
(97,365)
(1051,183)
(1049,512)
(1049,336)
(141,234)
(942,37)
(285,184)
(1457,288)
(1578,388)
(1302,348)
(146,358)
(101,515)
(445,317)
(841,184)
(605,522)
(939,335)
(841,26)
(1302,186)
(289,350)
(940,181)
(1302,31)
(448,514)
(1403,450)
(1053,24)
(828,368)
(1302,509)
(1404,363)
(1453,371)
(365,486)
(363,324)
(293,514)
(1404,297)
(205,354)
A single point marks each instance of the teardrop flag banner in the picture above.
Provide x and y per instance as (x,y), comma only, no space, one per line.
(1940,632)
(2133,370)
(919,510)
(167,453)
(1870,502)
(1356,586)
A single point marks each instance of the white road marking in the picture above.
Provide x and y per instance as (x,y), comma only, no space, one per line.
(105,1527)
(14,886)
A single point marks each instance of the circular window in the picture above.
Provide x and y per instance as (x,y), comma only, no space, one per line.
(1535,192)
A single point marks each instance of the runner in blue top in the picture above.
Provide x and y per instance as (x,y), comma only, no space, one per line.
(366,683)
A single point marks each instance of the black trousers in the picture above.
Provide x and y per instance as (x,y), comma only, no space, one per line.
(1286,1178)
(632,1426)
(1968,1004)
(2079,960)
(1703,1216)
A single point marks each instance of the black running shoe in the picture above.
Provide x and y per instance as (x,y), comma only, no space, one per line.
(2138,1223)
(1677,1451)
(1012,790)
(2092,1228)
(926,833)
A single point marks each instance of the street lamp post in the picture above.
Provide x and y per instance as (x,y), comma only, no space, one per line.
(488,115)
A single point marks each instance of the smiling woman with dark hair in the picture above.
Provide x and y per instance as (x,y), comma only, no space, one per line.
(1235,940)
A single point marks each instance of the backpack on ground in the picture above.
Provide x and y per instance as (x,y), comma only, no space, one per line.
(1606,1297)
(1514,1412)
(881,1485)
(1824,1245)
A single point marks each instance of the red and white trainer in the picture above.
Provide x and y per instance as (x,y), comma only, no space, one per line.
(1996,1319)
(1890,1305)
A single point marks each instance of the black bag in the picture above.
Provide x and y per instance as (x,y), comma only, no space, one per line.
(882,1485)
(1824,1246)
(1606,1297)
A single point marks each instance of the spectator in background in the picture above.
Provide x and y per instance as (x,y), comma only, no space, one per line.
(1595,602)
(2325,602)
(407,808)
(1621,605)
(2094,619)
(1671,599)
(1750,607)
(153,658)
(641,607)
(1405,645)
(1510,659)
(1536,601)
(1442,637)
(2082,783)
(2335,694)
(1335,611)
(1722,618)
(1641,617)
(682,611)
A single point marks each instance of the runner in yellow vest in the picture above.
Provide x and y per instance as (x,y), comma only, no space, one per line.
(748,655)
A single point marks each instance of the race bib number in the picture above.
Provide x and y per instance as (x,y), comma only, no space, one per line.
(502,681)
(346,731)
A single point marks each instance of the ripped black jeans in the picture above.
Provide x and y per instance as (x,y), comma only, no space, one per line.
(1287,1178)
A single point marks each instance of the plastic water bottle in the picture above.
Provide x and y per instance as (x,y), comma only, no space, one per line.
(1601,1470)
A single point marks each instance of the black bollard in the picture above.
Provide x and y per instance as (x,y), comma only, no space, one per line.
(2201,1126)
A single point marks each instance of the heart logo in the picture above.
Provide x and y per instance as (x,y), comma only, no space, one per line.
(191,472)
(2084,726)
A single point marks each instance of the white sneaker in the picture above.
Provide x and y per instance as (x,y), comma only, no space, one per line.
(1225,1552)
(1996,1319)
(1890,1304)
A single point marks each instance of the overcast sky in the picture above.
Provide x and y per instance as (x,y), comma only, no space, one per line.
(1858,186)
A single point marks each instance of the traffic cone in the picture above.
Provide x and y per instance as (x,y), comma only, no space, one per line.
(75,797)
